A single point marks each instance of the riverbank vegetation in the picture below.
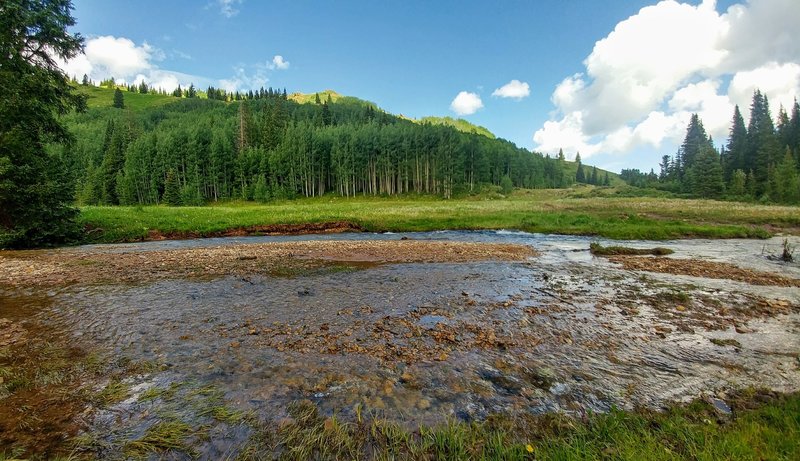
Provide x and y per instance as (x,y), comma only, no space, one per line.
(605,212)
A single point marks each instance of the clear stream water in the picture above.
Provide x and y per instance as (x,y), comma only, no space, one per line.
(420,343)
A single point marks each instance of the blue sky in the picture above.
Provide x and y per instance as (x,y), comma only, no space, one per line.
(415,57)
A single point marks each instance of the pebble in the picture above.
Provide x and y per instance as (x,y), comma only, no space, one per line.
(423,404)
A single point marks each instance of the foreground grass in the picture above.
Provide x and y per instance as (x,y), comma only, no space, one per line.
(769,429)
(582,211)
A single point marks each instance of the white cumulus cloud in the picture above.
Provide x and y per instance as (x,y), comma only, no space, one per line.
(466,103)
(643,81)
(120,58)
(279,63)
(513,89)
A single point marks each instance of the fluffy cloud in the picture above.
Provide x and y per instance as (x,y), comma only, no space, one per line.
(243,79)
(228,7)
(279,63)
(644,80)
(109,56)
(120,58)
(565,134)
(513,89)
(466,103)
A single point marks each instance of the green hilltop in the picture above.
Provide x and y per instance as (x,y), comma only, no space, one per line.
(459,124)
(101,97)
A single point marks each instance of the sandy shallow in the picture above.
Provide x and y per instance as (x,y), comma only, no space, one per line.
(71,266)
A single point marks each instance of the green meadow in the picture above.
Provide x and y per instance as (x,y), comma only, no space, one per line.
(603,212)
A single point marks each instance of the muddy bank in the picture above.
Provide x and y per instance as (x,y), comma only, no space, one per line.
(287,258)
(335,227)
(700,268)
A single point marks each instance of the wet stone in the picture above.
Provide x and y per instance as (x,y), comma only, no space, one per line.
(720,406)
(503,382)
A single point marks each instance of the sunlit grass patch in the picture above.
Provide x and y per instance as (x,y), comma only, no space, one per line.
(546,211)
(164,436)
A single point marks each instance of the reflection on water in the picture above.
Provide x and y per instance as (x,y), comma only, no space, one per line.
(423,342)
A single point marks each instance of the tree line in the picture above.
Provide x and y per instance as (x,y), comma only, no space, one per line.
(264,146)
(760,161)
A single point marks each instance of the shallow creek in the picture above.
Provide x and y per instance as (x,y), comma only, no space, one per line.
(422,342)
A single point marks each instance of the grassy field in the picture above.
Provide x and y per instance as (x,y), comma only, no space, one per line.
(583,210)
(104,97)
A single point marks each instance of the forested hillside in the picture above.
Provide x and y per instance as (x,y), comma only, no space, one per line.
(760,161)
(264,145)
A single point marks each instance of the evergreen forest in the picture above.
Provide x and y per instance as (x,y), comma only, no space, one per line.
(264,145)
(760,161)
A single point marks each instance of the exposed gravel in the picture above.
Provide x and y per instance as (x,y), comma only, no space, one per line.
(81,266)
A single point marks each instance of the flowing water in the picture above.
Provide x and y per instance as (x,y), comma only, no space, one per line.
(421,343)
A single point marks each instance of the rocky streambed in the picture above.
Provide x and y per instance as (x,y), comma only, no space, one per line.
(416,328)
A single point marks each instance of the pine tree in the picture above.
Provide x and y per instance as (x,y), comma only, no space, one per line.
(784,128)
(85,80)
(327,118)
(696,140)
(762,143)
(606,180)
(35,191)
(316,98)
(594,179)
(664,173)
(794,131)
(580,176)
(119,100)
(172,190)
(705,174)
(787,181)
(191,92)
(737,145)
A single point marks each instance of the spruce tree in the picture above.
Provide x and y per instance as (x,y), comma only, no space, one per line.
(783,128)
(787,183)
(327,118)
(35,192)
(737,145)
(762,143)
(580,176)
(119,100)
(794,131)
(594,179)
(705,174)
(172,189)
(696,140)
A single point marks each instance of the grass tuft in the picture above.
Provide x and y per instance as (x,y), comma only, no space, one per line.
(599,250)
(164,436)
